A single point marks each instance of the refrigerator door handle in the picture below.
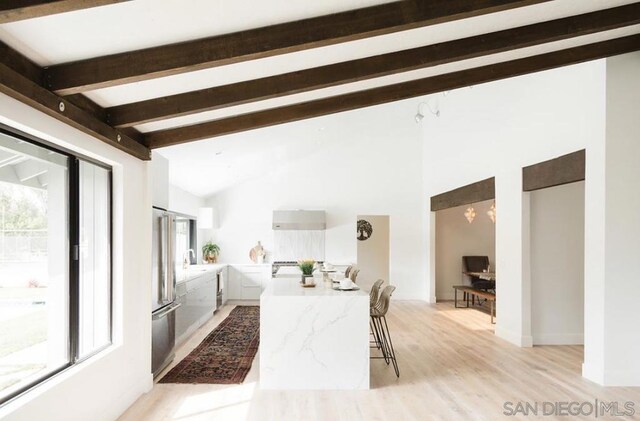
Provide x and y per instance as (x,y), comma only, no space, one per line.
(170,309)
(164,255)
(170,266)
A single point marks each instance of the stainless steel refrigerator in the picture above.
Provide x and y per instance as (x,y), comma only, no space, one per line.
(163,287)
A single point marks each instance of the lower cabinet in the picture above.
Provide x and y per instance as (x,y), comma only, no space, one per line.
(246,282)
(197,297)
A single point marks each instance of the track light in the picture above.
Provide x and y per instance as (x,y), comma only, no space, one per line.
(433,110)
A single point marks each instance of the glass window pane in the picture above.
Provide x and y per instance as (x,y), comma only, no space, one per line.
(182,240)
(34,263)
(95,259)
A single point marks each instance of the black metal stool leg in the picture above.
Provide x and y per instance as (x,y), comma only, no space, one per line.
(383,340)
(392,353)
(374,331)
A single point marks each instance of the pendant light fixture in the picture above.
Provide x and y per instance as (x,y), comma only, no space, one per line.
(492,212)
(470,214)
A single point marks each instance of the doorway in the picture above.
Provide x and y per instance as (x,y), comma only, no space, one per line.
(557,264)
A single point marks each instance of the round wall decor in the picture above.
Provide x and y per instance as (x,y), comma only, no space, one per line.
(364,230)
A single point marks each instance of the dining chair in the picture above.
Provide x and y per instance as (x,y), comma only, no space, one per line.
(379,320)
(348,271)
(353,275)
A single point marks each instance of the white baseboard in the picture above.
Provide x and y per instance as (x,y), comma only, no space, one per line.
(559,339)
(621,378)
(515,339)
(610,378)
(593,373)
(129,397)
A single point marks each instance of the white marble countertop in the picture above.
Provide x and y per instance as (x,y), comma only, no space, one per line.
(291,287)
(313,338)
(195,271)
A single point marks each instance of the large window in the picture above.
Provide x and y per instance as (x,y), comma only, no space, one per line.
(185,239)
(55,261)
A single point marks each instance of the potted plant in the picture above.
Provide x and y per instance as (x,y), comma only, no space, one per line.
(210,252)
(306,266)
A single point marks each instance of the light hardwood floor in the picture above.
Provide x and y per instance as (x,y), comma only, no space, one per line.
(452,367)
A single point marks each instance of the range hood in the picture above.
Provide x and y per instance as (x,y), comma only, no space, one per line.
(299,220)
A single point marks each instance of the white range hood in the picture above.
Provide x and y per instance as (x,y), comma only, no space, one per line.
(307,220)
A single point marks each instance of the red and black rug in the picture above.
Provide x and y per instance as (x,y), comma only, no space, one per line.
(225,355)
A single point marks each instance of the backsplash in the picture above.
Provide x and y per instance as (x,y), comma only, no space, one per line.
(292,245)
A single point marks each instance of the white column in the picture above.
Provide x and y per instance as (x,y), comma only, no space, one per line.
(612,237)
(431,268)
(513,290)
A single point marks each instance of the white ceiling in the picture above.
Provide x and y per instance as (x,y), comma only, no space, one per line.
(145,23)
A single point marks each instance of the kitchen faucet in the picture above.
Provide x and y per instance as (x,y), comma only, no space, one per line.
(185,258)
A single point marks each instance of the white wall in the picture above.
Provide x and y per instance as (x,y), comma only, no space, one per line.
(557,265)
(613,231)
(496,129)
(103,387)
(364,162)
(373,253)
(456,237)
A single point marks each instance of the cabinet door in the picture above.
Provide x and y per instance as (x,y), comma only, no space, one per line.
(234,285)
(252,279)
(224,278)
(251,293)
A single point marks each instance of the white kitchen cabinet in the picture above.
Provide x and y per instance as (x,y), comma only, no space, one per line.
(246,282)
(197,296)
(159,181)
(233,283)
(224,278)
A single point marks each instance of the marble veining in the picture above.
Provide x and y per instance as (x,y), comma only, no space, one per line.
(313,338)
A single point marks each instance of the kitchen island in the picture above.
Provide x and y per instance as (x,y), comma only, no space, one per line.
(313,338)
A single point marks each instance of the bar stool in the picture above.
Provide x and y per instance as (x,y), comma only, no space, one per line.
(373,293)
(379,320)
(348,270)
(373,299)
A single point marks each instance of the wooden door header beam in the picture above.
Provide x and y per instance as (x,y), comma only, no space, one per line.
(15,10)
(391,93)
(471,193)
(355,70)
(117,69)
(555,172)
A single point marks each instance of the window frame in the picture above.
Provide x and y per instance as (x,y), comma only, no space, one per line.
(73,238)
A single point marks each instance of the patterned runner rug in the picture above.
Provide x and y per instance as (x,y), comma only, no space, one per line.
(225,355)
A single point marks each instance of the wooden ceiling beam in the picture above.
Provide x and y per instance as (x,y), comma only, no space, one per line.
(117,69)
(15,10)
(22,79)
(356,70)
(25,90)
(390,93)
(20,64)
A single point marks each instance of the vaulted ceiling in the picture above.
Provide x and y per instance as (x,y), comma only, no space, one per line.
(148,74)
